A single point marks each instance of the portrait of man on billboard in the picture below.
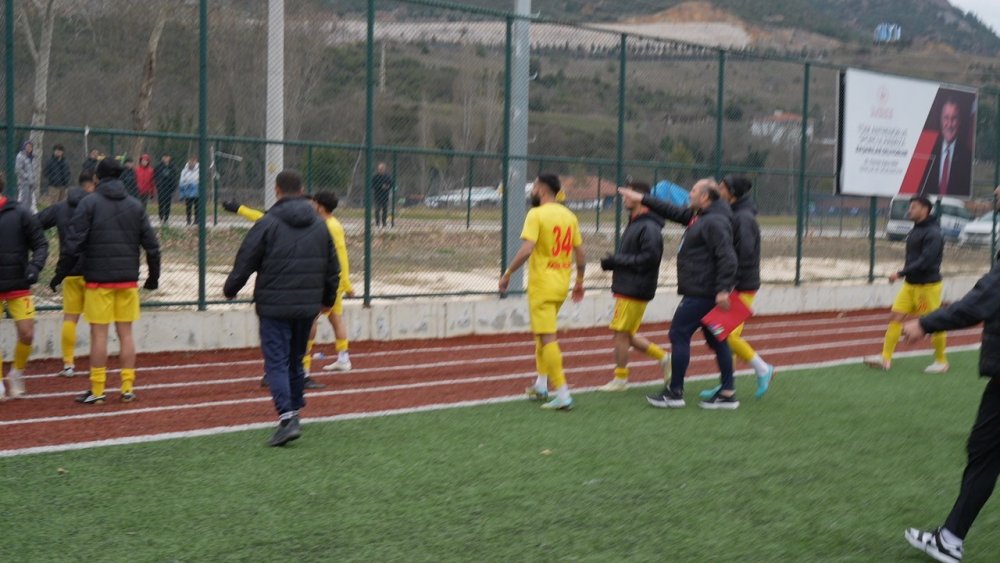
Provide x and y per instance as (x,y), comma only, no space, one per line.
(949,167)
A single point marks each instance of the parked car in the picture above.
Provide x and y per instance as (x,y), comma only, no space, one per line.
(951,213)
(977,233)
(478,197)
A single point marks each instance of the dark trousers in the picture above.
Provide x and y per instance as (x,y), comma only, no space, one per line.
(164,199)
(983,468)
(381,209)
(686,321)
(283,343)
(191,209)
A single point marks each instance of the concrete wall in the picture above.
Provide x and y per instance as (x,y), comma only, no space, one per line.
(162,331)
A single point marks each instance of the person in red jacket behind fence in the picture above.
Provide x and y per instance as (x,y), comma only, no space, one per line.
(144,174)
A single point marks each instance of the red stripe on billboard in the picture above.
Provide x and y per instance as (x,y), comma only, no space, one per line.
(917,171)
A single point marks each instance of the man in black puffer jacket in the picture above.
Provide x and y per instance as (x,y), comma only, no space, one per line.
(19,234)
(980,305)
(706,275)
(68,272)
(636,268)
(922,286)
(106,232)
(746,240)
(292,253)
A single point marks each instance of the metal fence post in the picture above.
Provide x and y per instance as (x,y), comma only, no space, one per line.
(309,169)
(468,205)
(392,191)
(9,98)
(597,209)
(719,110)
(803,148)
(505,195)
(620,152)
(996,180)
(369,146)
(872,226)
(203,171)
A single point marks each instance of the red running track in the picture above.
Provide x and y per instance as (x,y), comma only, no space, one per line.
(181,392)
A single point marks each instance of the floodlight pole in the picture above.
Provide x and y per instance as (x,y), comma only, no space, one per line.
(517,145)
(275,131)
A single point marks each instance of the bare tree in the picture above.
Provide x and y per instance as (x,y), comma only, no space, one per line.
(140,114)
(41,52)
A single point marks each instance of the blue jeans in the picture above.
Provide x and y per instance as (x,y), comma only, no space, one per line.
(283,343)
(687,320)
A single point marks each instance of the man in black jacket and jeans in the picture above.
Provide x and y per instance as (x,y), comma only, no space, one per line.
(706,275)
(980,305)
(297,270)
(106,232)
(636,271)
(922,286)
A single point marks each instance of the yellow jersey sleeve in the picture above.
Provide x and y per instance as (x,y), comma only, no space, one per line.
(250,213)
(340,244)
(577,237)
(532,226)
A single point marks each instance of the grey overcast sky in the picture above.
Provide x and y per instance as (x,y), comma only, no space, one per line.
(988,11)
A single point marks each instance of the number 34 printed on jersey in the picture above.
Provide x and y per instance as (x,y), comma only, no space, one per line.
(562,243)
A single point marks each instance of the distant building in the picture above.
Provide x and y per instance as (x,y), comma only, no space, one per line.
(781,127)
(888,33)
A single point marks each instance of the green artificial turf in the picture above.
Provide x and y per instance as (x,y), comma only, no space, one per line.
(831,466)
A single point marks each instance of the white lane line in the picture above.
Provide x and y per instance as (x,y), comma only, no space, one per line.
(763,351)
(391,412)
(751,332)
(403,386)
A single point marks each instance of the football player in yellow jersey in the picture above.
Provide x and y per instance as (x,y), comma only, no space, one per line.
(551,236)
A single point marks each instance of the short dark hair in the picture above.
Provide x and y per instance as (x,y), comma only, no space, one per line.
(552,181)
(85,177)
(289,182)
(58,147)
(713,193)
(326,200)
(641,187)
(738,185)
(923,200)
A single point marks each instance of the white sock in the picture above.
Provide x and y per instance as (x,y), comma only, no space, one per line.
(542,383)
(759,365)
(343,356)
(951,538)
(563,393)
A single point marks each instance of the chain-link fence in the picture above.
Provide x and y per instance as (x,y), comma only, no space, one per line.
(427,120)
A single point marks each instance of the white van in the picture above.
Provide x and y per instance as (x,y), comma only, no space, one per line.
(952,214)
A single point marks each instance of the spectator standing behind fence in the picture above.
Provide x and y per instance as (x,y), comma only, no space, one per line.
(128,179)
(57,172)
(144,180)
(291,252)
(90,163)
(381,191)
(107,230)
(69,272)
(19,234)
(189,188)
(24,168)
(165,178)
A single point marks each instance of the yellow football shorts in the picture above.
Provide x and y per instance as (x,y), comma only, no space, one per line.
(543,315)
(628,315)
(918,299)
(73,290)
(105,306)
(20,308)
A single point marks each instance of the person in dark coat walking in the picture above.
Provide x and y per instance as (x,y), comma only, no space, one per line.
(20,234)
(69,273)
(706,275)
(166,178)
(382,184)
(291,252)
(635,273)
(980,305)
(107,231)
